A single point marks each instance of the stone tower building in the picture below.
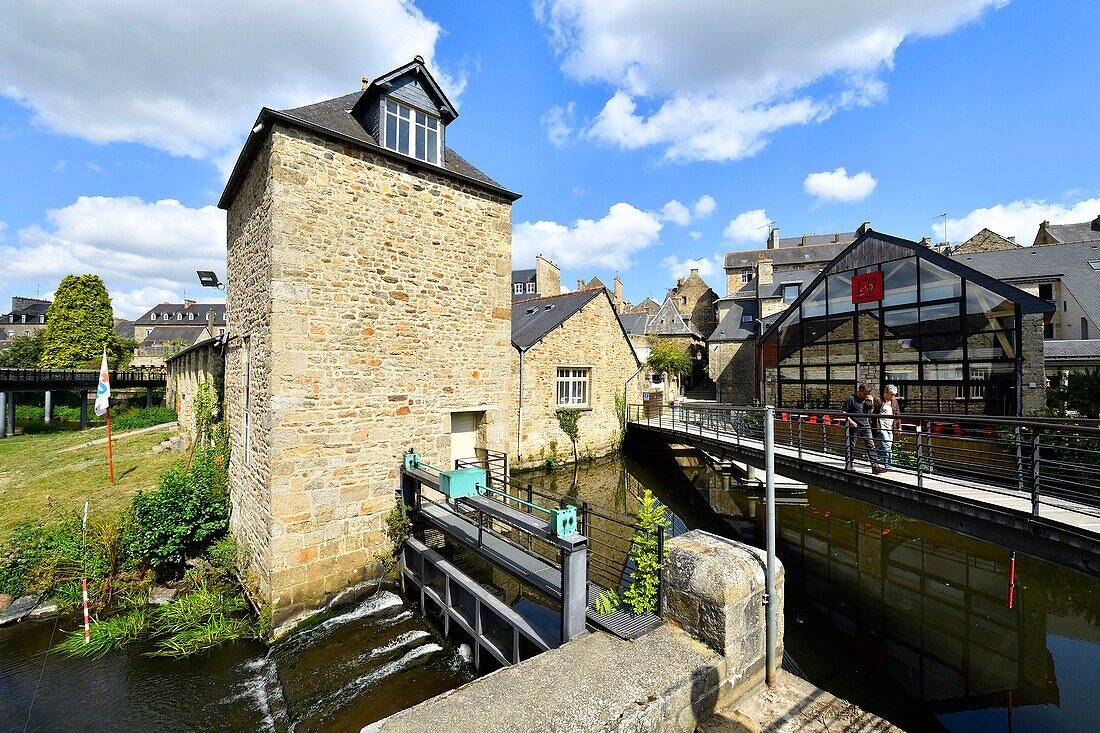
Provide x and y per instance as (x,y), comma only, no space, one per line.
(368,312)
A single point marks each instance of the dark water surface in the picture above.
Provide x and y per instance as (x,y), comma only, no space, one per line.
(906,619)
(359,664)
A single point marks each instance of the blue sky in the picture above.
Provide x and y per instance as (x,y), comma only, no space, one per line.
(118,126)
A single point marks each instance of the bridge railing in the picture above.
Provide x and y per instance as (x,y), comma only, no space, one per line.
(610,532)
(1052,461)
(79,376)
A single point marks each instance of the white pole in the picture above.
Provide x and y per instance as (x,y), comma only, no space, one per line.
(769,539)
(84,580)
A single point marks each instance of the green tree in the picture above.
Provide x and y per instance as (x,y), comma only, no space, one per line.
(1083,392)
(641,596)
(569,422)
(79,323)
(24,352)
(668,357)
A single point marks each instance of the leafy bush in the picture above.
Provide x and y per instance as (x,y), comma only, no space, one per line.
(143,418)
(187,512)
(641,596)
(29,412)
(223,554)
(40,558)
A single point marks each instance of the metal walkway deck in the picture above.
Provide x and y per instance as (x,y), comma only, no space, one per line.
(1055,528)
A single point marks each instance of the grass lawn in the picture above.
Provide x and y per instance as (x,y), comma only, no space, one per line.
(38,480)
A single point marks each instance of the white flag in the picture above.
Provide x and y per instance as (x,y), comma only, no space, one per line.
(103,391)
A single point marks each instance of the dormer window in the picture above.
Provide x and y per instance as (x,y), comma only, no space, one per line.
(530,287)
(411,132)
(179,316)
(517,288)
(152,316)
(190,316)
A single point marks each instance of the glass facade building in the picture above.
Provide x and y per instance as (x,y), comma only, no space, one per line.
(951,338)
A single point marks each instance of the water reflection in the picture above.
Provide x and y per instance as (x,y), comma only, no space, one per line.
(871,591)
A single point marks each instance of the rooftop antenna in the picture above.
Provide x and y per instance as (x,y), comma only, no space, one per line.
(944,215)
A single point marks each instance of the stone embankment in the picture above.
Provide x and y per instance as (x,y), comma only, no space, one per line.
(704,670)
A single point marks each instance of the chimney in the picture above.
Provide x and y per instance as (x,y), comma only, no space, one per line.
(547,277)
(1041,236)
(366,82)
(210,322)
(763,272)
(803,242)
(773,238)
(580,285)
(926,241)
(618,294)
(1096,224)
(188,302)
(1012,239)
(679,283)
(863,228)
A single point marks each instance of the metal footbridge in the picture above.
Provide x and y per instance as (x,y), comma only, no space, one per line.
(1032,484)
(549,548)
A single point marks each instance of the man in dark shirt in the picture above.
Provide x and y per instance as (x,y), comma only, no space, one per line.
(859,424)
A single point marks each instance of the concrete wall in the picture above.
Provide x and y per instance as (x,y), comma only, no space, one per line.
(590,338)
(376,303)
(204,363)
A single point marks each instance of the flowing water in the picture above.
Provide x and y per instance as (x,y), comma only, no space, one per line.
(906,619)
(356,664)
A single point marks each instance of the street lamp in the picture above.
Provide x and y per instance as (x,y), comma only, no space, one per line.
(209,279)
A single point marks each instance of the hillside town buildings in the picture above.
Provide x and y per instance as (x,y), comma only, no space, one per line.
(26,318)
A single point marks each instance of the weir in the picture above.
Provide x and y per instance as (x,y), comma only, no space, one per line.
(544,547)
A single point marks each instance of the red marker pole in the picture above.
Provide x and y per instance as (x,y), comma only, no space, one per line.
(1012,580)
(110,454)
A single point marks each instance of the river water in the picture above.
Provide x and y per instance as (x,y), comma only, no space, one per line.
(357,664)
(906,619)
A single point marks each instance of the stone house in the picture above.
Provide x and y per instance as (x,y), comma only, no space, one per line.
(672,325)
(369,312)
(1088,231)
(26,318)
(986,240)
(543,279)
(570,350)
(696,301)
(169,328)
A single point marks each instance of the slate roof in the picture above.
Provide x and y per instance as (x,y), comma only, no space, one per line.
(634,323)
(199,309)
(1086,231)
(1066,262)
(332,118)
(730,328)
(124,328)
(523,276)
(534,318)
(786,256)
(669,322)
(165,334)
(32,308)
(1071,349)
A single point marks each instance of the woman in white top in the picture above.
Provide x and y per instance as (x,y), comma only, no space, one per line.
(886,421)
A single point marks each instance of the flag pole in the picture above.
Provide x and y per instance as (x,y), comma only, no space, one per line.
(110,453)
(84,580)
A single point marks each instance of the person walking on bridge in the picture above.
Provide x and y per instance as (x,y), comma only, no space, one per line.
(858,408)
(886,422)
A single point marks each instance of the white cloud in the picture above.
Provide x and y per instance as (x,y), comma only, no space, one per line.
(190,82)
(59,166)
(695,235)
(1018,219)
(145,252)
(676,212)
(609,243)
(3,227)
(747,227)
(839,186)
(712,79)
(704,206)
(707,266)
(558,122)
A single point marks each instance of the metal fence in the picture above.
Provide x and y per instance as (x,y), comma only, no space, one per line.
(1052,461)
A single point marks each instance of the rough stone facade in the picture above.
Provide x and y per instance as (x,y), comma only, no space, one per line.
(203,363)
(591,338)
(547,277)
(696,302)
(1034,400)
(368,301)
(985,241)
(733,369)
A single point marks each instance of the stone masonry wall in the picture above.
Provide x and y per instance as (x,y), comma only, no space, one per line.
(389,310)
(733,368)
(186,373)
(592,338)
(1031,347)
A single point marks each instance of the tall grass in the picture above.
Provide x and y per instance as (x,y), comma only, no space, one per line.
(107,635)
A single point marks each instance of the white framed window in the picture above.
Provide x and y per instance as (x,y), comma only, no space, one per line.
(746,277)
(190,316)
(573,386)
(530,287)
(179,316)
(152,316)
(411,132)
(517,288)
(790,292)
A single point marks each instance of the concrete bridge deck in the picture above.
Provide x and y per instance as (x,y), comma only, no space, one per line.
(1062,531)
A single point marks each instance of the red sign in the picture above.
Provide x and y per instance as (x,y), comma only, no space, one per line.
(867,287)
